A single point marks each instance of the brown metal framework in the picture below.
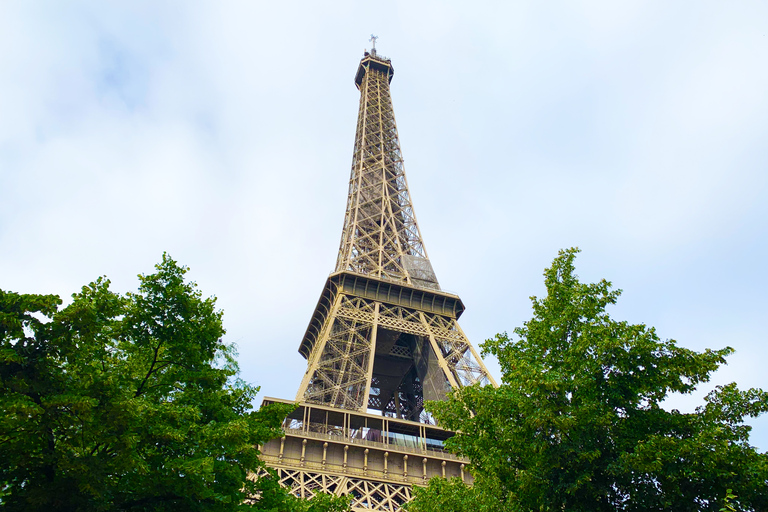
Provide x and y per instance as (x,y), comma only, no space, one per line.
(383,339)
(373,345)
(372,459)
(381,237)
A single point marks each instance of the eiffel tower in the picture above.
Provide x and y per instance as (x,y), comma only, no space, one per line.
(382,340)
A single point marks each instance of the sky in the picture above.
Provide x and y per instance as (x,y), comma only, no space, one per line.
(222,133)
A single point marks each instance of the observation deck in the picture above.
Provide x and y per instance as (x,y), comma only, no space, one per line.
(365,445)
(373,61)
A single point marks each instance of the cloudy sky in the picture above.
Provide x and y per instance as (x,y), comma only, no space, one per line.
(222,133)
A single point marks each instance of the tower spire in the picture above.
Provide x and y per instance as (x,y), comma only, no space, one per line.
(381,237)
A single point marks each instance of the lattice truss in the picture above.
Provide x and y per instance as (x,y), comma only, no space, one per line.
(369,355)
(381,237)
(341,364)
(372,355)
(366,495)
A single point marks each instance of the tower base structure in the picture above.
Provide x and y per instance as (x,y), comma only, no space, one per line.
(375,460)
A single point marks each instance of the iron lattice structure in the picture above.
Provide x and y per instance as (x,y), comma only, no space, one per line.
(383,339)
(372,459)
(381,237)
(367,351)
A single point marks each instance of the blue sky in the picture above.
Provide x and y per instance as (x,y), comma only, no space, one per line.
(222,133)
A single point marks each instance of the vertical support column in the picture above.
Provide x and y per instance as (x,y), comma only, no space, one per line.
(345,251)
(282,449)
(340,397)
(384,214)
(325,453)
(345,429)
(424,470)
(365,462)
(386,469)
(371,357)
(442,464)
(405,466)
(303,451)
(344,466)
(478,360)
(462,472)
(318,349)
(447,370)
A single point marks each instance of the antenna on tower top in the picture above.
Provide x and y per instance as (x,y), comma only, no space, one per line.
(373,40)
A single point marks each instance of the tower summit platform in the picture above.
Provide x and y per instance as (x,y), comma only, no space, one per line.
(375,62)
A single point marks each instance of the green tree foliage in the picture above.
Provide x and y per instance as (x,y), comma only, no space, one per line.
(129,403)
(450,496)
(578,422)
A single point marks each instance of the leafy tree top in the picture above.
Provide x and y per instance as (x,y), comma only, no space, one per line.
(130,402)
(578,422)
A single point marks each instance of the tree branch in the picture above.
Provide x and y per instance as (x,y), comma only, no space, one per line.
(149,373)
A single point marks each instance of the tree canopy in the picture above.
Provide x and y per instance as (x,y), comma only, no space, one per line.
(130,402)
(578,422)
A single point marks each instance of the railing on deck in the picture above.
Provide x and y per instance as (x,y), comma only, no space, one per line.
(337,436)
(373,474)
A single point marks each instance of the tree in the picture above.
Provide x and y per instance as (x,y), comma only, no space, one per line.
(578,422)
(128,403)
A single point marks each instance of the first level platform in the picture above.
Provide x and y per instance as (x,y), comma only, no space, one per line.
(376,460)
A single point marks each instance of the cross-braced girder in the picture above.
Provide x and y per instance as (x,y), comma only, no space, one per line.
(372,355)
(364,494)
